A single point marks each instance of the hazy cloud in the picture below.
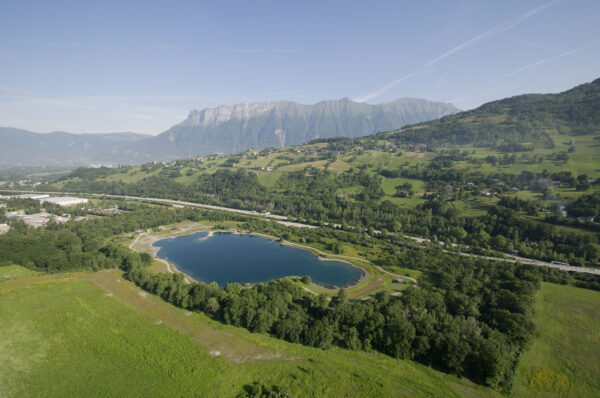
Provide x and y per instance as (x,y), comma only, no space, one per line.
(137,113)
(49,44)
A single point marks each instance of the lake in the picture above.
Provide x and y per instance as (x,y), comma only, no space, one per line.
(228,258)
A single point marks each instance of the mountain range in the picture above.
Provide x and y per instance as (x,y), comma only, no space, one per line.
(225,129)
(228,129)
(24,148)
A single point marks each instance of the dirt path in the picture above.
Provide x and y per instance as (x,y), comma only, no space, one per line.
(374,284)
(310,291)
(139,235)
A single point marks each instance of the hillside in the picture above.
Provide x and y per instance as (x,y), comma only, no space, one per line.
(478,227)
(563,359)
(174,353)
(515,124)
(124,344)
(386,181)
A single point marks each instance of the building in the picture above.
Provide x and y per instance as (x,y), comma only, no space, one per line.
(65,201)
(34,196)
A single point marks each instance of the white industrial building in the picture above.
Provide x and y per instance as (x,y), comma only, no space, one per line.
(65,200)
(34,196)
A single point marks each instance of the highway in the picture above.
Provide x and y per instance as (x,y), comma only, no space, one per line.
(285,221)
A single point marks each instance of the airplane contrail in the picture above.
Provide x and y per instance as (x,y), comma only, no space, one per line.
(548,59)
(500,28)
(377,93)
(556,50)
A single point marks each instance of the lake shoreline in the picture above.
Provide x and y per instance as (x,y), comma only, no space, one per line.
(364,272)
(151,240)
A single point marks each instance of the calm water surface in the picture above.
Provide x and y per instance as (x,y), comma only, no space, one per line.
(227,258)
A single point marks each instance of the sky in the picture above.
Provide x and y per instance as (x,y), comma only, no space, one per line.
(141,66)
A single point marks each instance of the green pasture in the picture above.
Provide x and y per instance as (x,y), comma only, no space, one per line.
(99,335)
(564,359)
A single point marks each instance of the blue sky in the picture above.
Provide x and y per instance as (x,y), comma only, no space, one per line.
(102,66)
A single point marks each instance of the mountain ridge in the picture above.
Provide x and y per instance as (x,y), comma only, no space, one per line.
(229,129)
(26,148)
(222,129)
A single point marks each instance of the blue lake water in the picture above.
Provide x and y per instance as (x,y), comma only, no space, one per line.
(227,258)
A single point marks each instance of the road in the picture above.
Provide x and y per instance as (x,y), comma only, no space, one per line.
(284,220)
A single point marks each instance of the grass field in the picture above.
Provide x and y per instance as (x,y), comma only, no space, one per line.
(14,271)
(564,359)
(97,335)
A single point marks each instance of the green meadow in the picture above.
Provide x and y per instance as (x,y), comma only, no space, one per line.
(564,359)
(98,335)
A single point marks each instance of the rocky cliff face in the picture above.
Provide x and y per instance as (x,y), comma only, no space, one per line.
(224,113)
(227,129)
(224,129)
